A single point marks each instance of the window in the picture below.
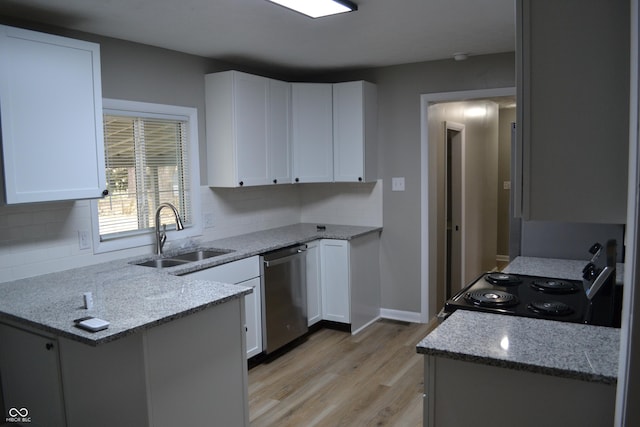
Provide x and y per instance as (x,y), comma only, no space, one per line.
(151,158)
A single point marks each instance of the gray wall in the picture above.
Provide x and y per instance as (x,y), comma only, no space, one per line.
(399,90)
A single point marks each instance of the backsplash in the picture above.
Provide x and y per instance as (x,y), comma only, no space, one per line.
(42,238)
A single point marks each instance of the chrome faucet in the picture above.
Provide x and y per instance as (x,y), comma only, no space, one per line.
(161,236)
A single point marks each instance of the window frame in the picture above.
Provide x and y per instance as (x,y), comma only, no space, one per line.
(161,111)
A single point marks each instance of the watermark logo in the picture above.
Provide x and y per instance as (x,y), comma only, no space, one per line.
(18,415)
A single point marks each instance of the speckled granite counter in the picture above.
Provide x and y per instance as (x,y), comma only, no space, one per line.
(550,267)
(132,297)
(259,242)
(569,350)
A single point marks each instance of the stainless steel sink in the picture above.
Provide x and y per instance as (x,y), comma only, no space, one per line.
(199,255)
(184,258)
(162,263)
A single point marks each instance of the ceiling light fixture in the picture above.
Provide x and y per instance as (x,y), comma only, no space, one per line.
(318,8)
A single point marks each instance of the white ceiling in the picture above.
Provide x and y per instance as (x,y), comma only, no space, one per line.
(259,33)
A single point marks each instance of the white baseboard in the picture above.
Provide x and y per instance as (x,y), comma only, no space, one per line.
(361,328)
(404,316)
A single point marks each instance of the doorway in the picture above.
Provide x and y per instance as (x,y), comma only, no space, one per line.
(454,200)
(433,248)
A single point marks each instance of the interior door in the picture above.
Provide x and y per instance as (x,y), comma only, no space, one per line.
(453,208)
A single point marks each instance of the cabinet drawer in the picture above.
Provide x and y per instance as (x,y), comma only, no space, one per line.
(232,272)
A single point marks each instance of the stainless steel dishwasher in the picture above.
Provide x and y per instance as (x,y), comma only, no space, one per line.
(284,297)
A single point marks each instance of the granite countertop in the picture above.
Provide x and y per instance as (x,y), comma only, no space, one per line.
(133,298)
(569,269)
(260,242)
(569,350)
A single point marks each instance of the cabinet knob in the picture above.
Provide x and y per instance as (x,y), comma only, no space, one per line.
(297,179)
(359,179)
(49,345)
(241,183)
(105,193)
(275,181)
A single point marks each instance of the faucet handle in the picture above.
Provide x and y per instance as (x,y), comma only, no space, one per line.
(163,236)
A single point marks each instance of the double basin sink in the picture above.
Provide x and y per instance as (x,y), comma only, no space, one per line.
(183,258)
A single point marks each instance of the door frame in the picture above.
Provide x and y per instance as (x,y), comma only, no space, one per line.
(428,224)
(458,127)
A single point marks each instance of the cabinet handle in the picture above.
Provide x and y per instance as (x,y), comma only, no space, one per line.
(49,346)
(105,193)
(241,183)
(275,181)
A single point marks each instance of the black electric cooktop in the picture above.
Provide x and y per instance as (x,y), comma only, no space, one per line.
(521,295)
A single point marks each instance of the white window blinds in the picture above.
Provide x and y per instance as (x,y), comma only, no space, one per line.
(146,164)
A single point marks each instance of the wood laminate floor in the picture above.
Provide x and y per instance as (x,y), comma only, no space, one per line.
(374,378)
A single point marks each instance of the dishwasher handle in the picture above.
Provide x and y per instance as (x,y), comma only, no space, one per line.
(284,259)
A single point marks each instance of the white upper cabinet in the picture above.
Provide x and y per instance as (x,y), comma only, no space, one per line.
(312,132)
(51,117)
(279,127)
(247,130)
(355,113)
(573,109)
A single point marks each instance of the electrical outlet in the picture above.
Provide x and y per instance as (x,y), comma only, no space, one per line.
(84,239)
(208,220)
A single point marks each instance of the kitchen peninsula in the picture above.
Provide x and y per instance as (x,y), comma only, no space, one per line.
(174,352)
(488,369)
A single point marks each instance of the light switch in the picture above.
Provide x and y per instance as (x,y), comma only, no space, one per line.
(506,185)
(397,184)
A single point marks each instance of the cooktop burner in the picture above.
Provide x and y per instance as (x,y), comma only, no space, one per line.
(553,286)
(552,308)
(502,279)
(491,298)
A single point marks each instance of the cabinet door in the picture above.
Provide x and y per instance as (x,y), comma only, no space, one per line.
(253,317)
(314,289)
(29,369)
(312,132)
(279,124)
(250,125)
(573,110)
(51,113)
(244,272)
(335,280)
(236,122)
(354,131)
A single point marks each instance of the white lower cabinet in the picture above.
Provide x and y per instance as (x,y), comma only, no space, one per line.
(527,399)
(335,280)
(245,272)
(253,316)
(350,280)
(30,373)
(188,371)
(314,289)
